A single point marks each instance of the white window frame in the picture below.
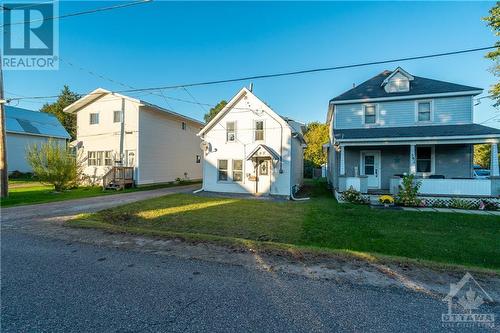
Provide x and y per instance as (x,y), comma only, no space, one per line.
(433,160)
(263,130)
(375,106)
(92,158)
(431,116)
(219,170)
(240,171)
(90,118)
(234,131)
(120,118)
(108,158)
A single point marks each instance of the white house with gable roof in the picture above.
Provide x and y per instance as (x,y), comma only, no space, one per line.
(248,148)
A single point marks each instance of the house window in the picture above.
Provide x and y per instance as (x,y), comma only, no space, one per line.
(424,111)
(222,167)
(237,170)
(231,131)
(94,118)
(117,116)
(259,130)
(424,159)
(100,158)
(92,158)
(370,114)
(108,160)
(183,126)
(198,159)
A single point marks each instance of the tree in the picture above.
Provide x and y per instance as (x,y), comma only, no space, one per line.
(494,22)
(53,163)
(213,111)
(316,135)
(482,155)
(68,120)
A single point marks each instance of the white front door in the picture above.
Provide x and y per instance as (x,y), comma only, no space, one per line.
(264,176)
(370,166)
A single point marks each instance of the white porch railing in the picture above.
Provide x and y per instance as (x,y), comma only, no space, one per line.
(465,187)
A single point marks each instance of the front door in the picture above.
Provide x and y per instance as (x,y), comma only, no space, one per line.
(264,176)
(130,158)
(370,166)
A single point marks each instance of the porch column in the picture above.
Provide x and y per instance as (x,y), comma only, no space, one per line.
(494,160)
(342,160)
(413,160)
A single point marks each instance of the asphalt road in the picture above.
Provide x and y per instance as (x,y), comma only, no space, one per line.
(50,285)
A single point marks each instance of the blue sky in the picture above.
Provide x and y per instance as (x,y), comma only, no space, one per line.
(164,43)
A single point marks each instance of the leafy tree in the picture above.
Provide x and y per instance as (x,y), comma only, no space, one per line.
(213,111)
(66,97)
(493,21)
(316,135)
(482,155)
(53,163)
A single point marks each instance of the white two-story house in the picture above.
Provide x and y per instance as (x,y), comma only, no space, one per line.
(248,148)
(115,130)
(396,123)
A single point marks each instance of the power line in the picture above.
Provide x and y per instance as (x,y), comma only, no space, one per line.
(90,11)
(291,73)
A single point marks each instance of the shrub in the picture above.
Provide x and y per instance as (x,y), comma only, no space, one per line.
(16,174)
(386,199)
(489,205)
(462,204)
(353,196)
(408,192)
(54,164)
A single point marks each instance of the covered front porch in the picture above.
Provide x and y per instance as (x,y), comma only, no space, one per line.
(443,167)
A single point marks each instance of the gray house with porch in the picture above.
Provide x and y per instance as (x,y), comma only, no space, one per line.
(396,123)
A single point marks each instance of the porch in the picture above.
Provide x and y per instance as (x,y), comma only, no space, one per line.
(441,169)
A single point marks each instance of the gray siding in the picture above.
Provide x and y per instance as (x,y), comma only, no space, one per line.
(447,111)
(454,160)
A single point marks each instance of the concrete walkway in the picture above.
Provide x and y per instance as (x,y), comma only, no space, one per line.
(452,210)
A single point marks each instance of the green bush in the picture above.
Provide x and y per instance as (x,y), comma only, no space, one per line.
(408,192)
(353,196)
(54,164)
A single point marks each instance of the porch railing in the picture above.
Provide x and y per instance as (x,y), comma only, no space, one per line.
(453,187)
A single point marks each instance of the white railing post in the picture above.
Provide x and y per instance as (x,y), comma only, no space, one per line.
(494,160)
(342,160)
(413,160)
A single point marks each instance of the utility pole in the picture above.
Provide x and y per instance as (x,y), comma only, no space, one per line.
(4,178)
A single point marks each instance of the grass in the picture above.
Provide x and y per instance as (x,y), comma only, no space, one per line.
(26,192)
(321,223)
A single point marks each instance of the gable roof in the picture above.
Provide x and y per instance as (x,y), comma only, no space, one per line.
(373,88)
(268,149)
(100,92)
(30,122)
(244,91)
(398,70)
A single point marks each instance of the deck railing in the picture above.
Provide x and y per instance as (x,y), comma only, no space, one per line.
(118,177)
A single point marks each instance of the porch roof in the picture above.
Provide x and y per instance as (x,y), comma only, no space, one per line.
(263,151)
(417,132)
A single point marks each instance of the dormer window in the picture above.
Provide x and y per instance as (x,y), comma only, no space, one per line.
(397,81)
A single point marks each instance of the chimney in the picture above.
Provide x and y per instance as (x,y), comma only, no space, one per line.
(251,87)
(354,85)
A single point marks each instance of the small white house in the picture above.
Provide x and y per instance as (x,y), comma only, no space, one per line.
(25,128)
(116,130)
(250,149)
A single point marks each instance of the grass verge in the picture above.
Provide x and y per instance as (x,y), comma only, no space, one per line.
(319,225)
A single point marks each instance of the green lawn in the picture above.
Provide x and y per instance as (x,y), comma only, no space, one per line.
(24,192)
(470,240)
